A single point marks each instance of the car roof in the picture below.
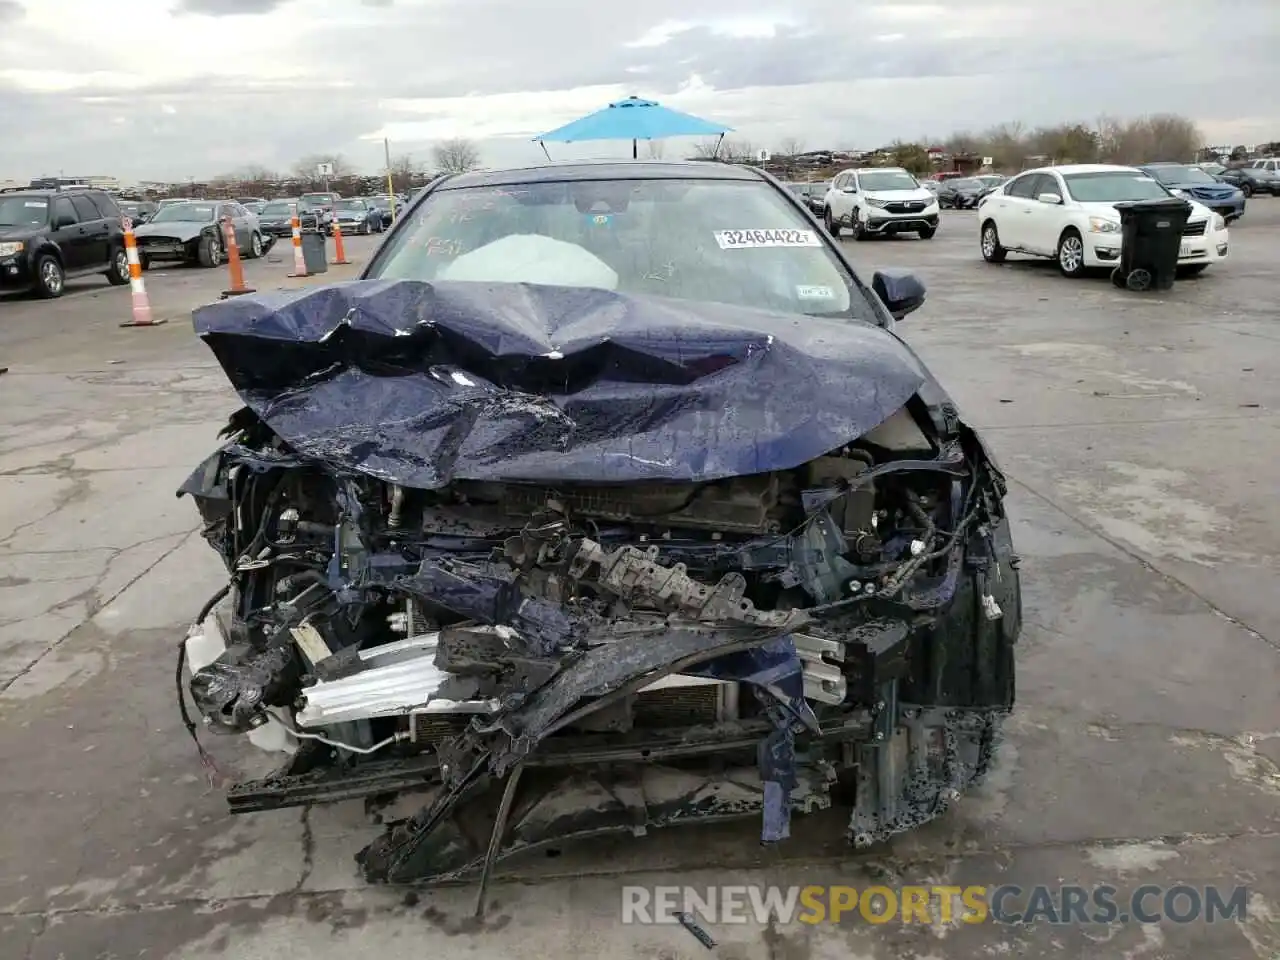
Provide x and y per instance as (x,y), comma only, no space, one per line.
(1068,168)
(873,170)
(603,170)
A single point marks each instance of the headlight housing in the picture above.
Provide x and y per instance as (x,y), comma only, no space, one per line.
(872,202)
(1219,222)
(10,247)
(1103,225)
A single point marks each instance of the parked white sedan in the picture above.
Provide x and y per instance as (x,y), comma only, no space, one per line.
(1069,213)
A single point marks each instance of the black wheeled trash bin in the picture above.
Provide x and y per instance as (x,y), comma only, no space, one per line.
(315,253)
(1150,240)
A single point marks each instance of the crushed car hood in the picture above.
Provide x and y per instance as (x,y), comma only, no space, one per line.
(424,383)
(179,229)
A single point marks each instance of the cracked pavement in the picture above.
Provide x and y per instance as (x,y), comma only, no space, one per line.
(1139,433)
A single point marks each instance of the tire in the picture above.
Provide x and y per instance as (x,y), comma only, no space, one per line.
(209,253)
(144,262)
(1246,190)
(832,227)
(927,233)
(992,252)
(859,231)
(1070,254)
(1193,270)
(255,246)
(51,280)
(118,275)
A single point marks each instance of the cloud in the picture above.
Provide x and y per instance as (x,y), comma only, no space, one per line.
(10,10)
(319,76)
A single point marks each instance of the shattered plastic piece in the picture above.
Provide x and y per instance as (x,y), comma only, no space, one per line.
(689,923)
(990,608)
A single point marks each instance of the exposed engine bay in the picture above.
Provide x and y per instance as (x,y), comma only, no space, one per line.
(546,661)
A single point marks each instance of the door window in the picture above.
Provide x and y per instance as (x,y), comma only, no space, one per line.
(1045,183)
(107,208)
(85,210)
(1023,186)
(62,208)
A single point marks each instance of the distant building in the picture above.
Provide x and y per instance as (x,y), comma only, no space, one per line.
(96,182)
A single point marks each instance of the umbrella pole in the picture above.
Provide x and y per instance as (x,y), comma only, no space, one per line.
(716,155)
(543,145)
(635,150)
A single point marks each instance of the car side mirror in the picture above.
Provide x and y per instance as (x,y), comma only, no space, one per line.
(901,291)
(64,221)
(1050,198)
(852,188)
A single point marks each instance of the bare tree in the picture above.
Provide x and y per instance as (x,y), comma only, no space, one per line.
(738,151)
(403,170)
(707,149)
(306,170)
(790,147)
(1170,137)
(456,156)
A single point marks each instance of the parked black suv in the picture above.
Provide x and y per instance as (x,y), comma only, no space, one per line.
(50,236)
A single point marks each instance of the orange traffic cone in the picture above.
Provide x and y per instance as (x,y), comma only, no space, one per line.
(339,251)
(233,261)
(142,316)
(299,261)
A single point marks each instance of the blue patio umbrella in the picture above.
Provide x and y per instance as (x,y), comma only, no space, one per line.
(632,119)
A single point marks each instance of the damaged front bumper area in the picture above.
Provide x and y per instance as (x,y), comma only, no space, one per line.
(538,661)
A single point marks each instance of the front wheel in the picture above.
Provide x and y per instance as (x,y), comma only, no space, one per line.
(1071,254)
(859,229)
(50,279)
(992,252)
(927,233)
(255,245)
(832,227)
(1246,190)
(209,253)
(118,275)
(1194,270)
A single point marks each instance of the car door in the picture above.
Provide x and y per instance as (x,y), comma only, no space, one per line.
(97,245)
(225,213)
(836,198)
(1013,211)
(71,236)
(1045,220)
(243,221)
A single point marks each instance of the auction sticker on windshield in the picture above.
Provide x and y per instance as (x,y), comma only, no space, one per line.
(815,293)
(733,239)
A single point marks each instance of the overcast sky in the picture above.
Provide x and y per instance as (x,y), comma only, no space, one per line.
(160,89)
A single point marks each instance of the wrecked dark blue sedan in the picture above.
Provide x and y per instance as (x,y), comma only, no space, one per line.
(608,498)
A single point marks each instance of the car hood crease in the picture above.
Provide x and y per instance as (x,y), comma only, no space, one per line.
(422,383)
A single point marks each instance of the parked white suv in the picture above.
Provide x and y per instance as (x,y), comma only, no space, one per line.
(1270,163)
(880,200)
(1069,213)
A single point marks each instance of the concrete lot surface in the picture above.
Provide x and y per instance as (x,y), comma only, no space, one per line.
(1141,436)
